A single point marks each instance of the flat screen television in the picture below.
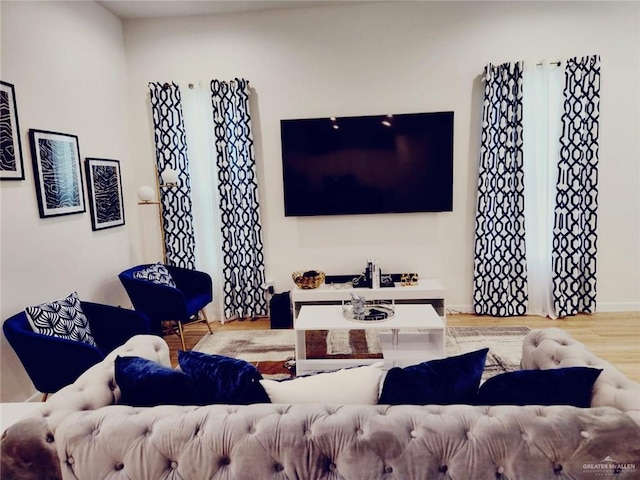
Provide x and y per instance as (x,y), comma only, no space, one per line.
(368,164)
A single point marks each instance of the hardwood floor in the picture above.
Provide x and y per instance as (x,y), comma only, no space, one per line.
(614,337)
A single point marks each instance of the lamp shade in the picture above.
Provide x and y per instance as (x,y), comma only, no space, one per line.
(169,176)
(146,194)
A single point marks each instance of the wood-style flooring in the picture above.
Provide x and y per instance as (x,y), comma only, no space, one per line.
(614,337)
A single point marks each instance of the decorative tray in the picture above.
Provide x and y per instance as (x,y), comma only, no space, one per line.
(369,312)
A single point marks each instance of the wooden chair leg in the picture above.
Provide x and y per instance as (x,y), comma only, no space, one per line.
(181,333)
(44,397)
(206,320)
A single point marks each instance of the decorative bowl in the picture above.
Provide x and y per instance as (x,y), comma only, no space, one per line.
(308,279)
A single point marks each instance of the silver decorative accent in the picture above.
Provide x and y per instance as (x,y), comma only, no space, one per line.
(360,310)
(357,306)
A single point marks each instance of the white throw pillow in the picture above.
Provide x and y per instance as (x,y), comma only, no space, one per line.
(358,385)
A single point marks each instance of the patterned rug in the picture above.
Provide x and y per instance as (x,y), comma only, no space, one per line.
(272,351)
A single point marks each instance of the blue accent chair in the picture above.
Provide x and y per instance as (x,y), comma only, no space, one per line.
(53,363)
(166,305)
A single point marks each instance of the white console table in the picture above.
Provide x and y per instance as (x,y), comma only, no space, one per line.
(427,291)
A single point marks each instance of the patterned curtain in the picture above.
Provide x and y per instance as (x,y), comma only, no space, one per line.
(171,151)
(574,235)
(242,247)
(500,273)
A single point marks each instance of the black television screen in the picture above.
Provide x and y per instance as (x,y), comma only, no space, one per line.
(370,164)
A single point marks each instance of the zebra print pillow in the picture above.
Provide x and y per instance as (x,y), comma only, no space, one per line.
(62,318)
(157,273)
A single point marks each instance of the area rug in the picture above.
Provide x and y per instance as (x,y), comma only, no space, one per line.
(272,351)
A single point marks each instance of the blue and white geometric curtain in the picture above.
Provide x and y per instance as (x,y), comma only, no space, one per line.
(574,235)
(171,151)
(242,246)
(500,272)
(501,276)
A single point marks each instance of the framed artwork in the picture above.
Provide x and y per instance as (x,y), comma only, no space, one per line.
(11,165)
(105,193)
(57,171)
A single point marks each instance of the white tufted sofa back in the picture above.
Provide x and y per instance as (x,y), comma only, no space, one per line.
(555,348)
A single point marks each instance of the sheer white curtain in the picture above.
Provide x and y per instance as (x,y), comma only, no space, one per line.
(196,105)
(542,112)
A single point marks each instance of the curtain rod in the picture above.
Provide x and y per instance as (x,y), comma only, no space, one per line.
(191,85)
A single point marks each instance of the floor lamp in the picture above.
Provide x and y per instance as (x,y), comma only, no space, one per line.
(147,196)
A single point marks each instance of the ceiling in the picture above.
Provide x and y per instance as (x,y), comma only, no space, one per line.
(126,9)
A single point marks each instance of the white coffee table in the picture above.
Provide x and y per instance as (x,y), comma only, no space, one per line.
(398,348)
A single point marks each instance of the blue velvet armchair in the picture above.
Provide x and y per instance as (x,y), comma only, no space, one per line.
(53,362)
(164,304)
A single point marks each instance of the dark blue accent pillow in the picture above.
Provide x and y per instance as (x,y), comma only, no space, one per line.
(558,386)
(144,383)
(437,382)
(221,379)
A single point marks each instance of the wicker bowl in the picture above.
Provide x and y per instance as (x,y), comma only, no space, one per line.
(308,279)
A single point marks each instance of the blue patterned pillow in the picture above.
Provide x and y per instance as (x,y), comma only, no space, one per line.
(62,318)
(156,273)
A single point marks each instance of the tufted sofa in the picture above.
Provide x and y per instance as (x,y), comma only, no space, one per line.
(81,433)
(555,348)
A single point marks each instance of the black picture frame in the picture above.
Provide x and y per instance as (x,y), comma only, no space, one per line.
(57,172)
(11,162)
(104,184)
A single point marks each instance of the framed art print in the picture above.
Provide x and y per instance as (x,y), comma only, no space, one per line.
(105,193)
(11,165)
(57,171)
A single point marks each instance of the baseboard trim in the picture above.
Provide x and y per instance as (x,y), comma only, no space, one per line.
(459,309)
(618,307)
(600,308)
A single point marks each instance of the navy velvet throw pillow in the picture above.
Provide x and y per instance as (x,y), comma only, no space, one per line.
(558,386)
(437,382)
(221,379)
(144,383)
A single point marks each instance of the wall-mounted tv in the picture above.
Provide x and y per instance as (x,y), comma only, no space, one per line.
(368,164)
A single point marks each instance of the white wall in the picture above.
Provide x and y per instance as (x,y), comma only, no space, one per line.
(67,63)
(399,57)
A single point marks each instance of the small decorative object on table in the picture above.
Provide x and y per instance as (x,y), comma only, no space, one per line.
(408,279)
(360,310)
(386,281)
(361,281)
(308,279)
(357,306)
